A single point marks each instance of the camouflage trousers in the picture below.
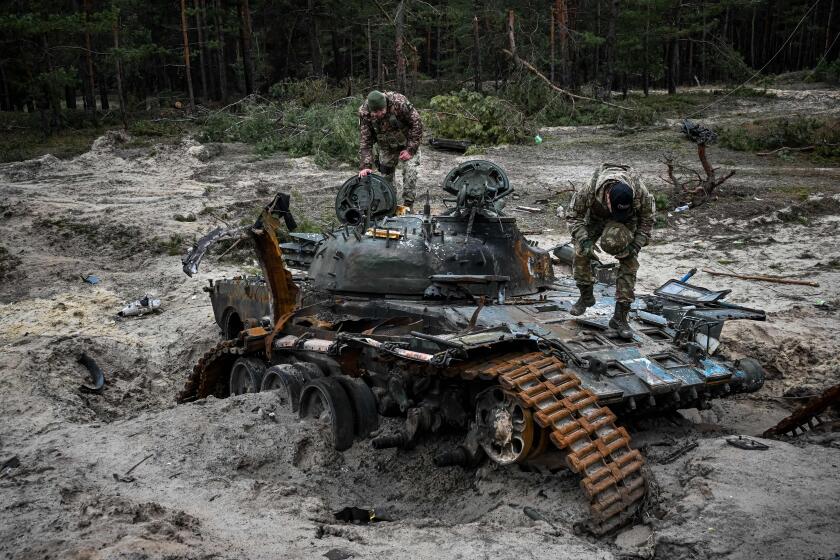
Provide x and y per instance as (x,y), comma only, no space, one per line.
(625,283)
(388,162)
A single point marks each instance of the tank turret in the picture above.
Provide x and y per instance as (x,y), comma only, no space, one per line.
(471,250)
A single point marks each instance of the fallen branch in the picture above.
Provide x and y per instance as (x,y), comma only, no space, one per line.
(528,66)
(468,117)
(785,148)
(764,278)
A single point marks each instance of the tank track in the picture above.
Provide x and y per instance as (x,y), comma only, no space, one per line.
(806,416)
(204,378)
(612,473)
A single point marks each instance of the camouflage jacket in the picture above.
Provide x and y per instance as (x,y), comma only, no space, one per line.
(400,129)
(588,205)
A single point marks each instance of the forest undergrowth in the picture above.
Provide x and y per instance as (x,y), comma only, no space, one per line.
(315,118)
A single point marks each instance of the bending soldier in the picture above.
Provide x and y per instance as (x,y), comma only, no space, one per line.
(615,207)
(391,122)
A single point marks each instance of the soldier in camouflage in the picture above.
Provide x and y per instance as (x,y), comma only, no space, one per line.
(615,207)
(391,122)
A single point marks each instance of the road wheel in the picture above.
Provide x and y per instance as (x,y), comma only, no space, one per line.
(364,405)
(324,400)
(246,376)
(755,373)
(287,381)
(505,428)
(308,370)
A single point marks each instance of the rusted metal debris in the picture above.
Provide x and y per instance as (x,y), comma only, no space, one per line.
(677,453)
(96,375)
(806,416)
(447,144)
(749,444)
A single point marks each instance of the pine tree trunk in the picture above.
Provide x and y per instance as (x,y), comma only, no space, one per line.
(314,44)
(437,54)
(222,59)
(673,60)
(380,71)
(551,45)
(371,76)
(201,58)
(6,104)
(511,20)
(245,40)
(429,51)
(186,39)
(828,25)
(672,64)
(399,39)
(703,44)
(646,53)
(118,70)
(561,12)
(103,92)
(212,86)
(476,49)
(350,76)
(597,64)
(752,37)
(613,16)
(691,78)
(338,62)
(90,94)
(69,96)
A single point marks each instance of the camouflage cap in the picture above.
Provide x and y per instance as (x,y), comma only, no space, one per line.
(615,238)
(376,100)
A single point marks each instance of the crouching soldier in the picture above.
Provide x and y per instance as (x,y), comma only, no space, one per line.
(391,122)
(616,208)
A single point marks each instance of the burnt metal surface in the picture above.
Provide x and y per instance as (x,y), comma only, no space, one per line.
(237,300)
(96,375)
(807,416)
(448,144)
(365,199)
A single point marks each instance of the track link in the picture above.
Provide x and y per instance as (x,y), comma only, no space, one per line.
(612,473)
(205,376)
(807,416)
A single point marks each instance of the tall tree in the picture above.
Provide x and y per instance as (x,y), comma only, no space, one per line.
(399,46)
(186,39)
(611,47)
(314,42)
(199,25)
(245,38)
(90,93)
(220,50)
(476,49)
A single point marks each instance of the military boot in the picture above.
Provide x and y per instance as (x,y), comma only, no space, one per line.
(586,299)
(619,321)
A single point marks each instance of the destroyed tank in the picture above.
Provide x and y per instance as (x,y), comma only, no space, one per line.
(457,322)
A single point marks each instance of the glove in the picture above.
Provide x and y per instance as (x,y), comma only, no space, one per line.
(632,249)
(585,248)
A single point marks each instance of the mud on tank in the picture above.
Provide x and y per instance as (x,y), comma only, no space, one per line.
(457,322)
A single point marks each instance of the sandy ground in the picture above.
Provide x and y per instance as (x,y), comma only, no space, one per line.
(221,479)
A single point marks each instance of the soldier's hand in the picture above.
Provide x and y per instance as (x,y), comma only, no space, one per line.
(405,155)
(365,172)
(633,249)
(586,248)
